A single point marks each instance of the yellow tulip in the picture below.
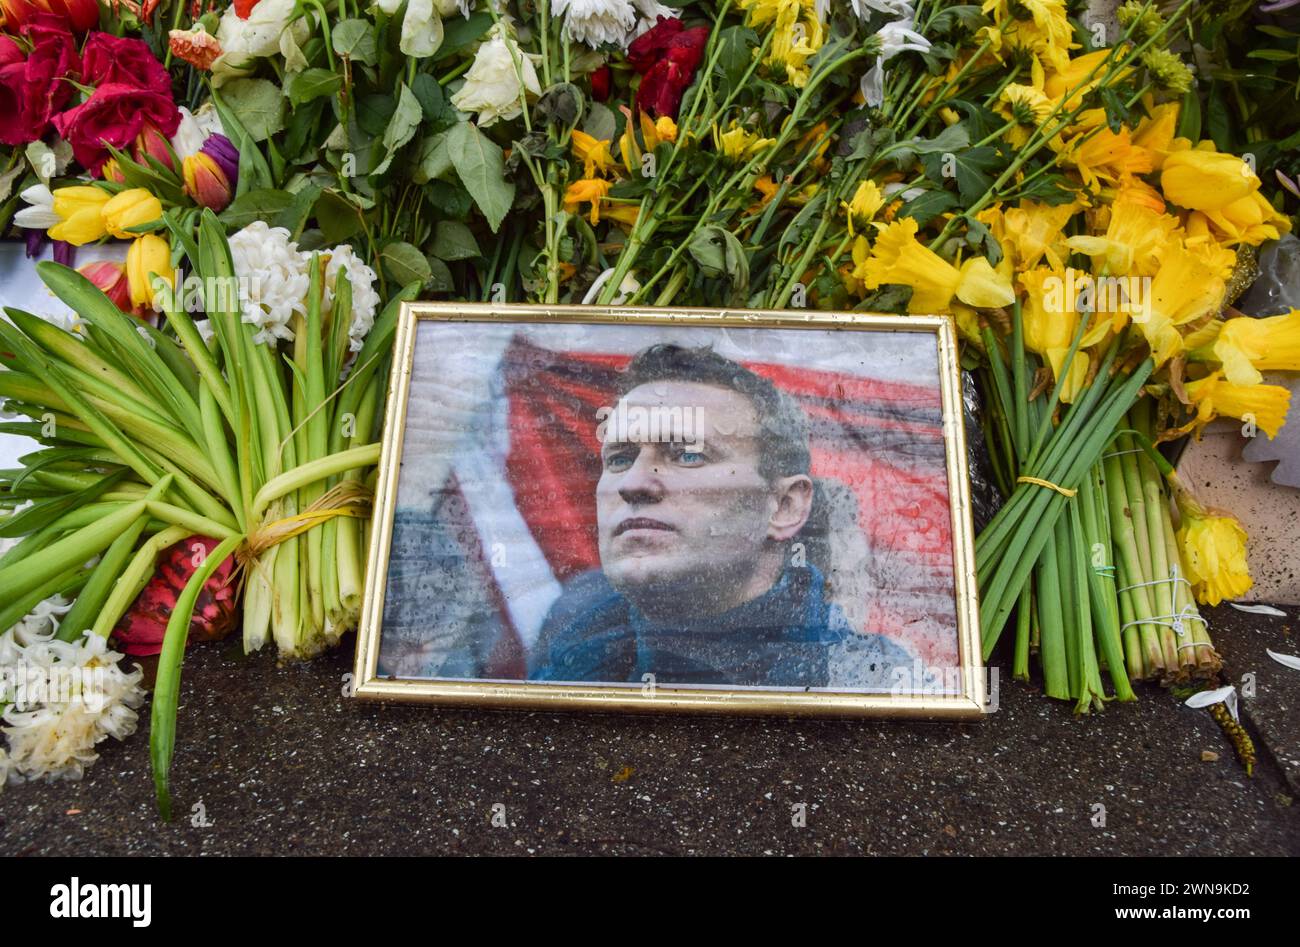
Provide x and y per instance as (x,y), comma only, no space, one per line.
(81,209)
(131,209)
(1206,180)
(147,254)
(1263,405)
(1246,345)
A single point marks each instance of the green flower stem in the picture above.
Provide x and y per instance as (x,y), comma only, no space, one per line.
(1051,627)
(1024,606)
(1101,582)
(134,578)
(318,469)
(166,695)
(1124,530)
(81,616)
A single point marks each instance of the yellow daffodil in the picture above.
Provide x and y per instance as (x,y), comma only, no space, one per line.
(147,254)
(1218,259)
(898,257)
(1263,405)
(1180,292)
(1051,318)
(593,153)
(81,212)
(1155,133)
(1206,180)
(1245,345)
(1101,154)
(1028,107)
(1031,232)
(1072,79)
(1133,243)
(1250,220)
(738,145)
(867,200)
(1213,549)
(131,208)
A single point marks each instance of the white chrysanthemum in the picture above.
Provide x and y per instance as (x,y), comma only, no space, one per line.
(652,11)
(273,278)
(365,301)
(86,697)
(492,85)
(597,21)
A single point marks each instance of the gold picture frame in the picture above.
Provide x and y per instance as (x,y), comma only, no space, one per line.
(967,700)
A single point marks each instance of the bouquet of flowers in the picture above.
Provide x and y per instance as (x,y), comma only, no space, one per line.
(1082,196)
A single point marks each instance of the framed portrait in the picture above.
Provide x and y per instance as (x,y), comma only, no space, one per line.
(673,510)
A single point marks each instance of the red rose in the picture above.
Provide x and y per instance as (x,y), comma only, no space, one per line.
(600,80)
(644,51)
(114,114)
(78,15)
(32,87)
(664,84)
(108,58)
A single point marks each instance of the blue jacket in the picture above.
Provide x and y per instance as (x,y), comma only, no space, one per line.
(787,637)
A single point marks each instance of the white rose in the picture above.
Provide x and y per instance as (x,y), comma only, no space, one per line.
(492,85)
(242,41)
(421,30)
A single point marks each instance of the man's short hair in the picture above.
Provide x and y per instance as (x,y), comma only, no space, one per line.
(783,428)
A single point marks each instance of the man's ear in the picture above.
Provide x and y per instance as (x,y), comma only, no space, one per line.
(794,498)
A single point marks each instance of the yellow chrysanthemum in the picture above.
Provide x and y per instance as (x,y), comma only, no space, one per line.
(1040,26)
(738,144)
(1028,107)
(867,200)
(797,34)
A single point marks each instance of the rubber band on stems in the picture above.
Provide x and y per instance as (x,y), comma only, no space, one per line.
(1063,491)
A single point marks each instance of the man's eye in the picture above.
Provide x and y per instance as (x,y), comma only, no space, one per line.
(689,458)
(616,463)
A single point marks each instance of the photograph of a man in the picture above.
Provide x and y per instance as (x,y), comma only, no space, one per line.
(706,513)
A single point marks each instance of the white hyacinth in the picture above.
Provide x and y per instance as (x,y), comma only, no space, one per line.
(274,278)
(596,22)
(365,300)
(54,735)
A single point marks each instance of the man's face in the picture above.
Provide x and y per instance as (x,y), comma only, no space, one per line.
(689,511)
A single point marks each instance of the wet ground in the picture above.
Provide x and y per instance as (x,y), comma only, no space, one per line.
(278,761)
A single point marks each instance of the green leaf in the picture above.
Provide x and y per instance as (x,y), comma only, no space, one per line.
(719,253)
(735,52)
(435,159)
(312,84)
(440,278)
(260,105)
(926,207)
(263,204)
(973,170)
(459,32)
(480,163)
(337,217)
(294,217)
(355,39)
(600,123)
(401,127)
(404,263)
(452,240)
